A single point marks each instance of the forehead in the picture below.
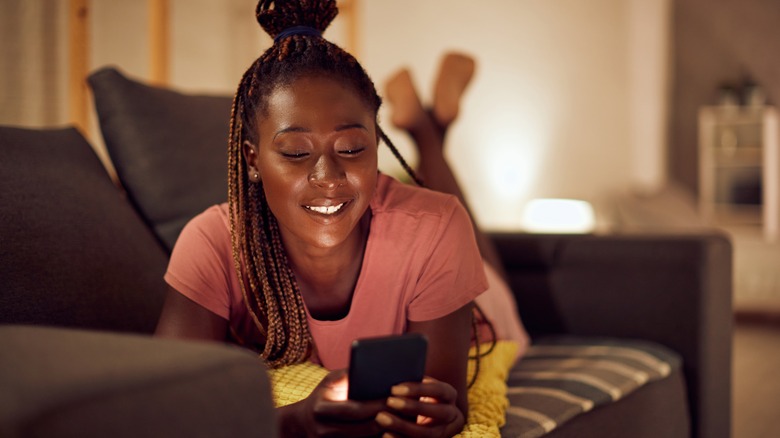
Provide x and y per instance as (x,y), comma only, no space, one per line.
(316,95)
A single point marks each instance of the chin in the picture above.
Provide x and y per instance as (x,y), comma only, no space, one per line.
(328,241)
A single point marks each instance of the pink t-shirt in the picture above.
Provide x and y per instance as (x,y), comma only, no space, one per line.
(421,263)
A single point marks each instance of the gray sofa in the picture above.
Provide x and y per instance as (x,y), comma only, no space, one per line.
(81,274)
(80,293)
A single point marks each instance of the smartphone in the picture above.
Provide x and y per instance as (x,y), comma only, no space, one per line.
(377,364)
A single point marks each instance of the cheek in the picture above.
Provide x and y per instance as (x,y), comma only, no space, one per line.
(279,188)
(368,169)
(364,179)
(369,180)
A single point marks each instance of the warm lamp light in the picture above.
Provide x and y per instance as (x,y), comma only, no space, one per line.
(337,390)
(558,216)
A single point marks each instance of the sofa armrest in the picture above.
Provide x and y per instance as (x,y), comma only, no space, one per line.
(674,289)
(63,382)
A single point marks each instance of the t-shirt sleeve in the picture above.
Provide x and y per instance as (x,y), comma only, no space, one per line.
(453,274)
(201,263)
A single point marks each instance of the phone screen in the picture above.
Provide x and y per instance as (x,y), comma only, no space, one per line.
(376,364)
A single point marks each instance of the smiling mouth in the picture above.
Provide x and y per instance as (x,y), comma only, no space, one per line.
(326,210)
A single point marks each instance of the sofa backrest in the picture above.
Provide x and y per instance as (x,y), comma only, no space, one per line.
(73,252)
(169,148)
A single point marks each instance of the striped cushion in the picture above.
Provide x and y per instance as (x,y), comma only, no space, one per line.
(560,378)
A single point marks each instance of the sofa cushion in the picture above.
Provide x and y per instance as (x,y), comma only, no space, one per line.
(76,383)
(672,288)
(561,378)
(169,149)
(74,252)
(657,409)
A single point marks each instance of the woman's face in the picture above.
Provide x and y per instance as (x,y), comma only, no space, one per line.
(317,159)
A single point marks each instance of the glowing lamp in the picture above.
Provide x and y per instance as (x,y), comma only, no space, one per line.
(558,216)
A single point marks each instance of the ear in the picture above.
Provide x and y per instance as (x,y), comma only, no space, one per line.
(250,157)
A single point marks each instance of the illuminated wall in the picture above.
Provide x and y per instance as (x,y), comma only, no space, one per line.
(555,105)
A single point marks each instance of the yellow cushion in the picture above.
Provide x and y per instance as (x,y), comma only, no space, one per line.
(487,396)
(295,382)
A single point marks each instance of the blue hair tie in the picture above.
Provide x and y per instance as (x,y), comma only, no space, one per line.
(297,30)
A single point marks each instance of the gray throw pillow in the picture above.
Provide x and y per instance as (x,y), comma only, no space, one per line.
(73,252)
(169,148)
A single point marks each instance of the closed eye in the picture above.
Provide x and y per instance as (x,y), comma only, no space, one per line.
(294,155)
(353,151)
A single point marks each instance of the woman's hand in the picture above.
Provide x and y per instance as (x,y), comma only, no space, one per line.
(326,412)
(426,409)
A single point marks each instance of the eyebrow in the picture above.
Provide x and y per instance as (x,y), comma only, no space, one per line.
(351,126)
(289,129)
(343,127)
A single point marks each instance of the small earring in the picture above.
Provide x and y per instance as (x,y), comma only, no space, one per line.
(256,175)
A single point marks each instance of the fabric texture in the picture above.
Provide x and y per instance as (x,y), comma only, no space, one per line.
(487,396)
(488,400)
(421,262)
(561,377)
(74,252)
(83,383)
(657,409)
(169,148)
(294,383)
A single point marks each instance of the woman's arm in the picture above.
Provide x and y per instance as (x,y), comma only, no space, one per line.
(449,339)
(185,319)
(317,415)
(441,399)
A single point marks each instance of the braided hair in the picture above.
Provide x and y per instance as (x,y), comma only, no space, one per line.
(268,284)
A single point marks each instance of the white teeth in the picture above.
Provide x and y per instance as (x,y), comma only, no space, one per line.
(326,210)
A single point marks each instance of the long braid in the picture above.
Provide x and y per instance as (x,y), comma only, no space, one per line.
(400,158)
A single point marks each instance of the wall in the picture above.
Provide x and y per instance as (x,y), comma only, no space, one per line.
(211,42)
(568,100)
(549,112)
(33,68)
(716,42)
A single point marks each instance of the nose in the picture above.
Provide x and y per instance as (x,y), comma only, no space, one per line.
(327,173)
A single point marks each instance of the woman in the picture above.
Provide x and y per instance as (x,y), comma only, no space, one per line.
(315,248)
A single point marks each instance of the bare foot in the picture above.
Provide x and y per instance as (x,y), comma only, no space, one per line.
(408,112)
(455,74)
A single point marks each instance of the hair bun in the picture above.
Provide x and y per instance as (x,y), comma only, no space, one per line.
(275,16)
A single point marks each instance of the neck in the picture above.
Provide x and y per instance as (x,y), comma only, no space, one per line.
(327,276)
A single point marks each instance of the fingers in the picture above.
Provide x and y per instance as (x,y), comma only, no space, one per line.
(430,387)
(424,412)
(396,425)
(421,409)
